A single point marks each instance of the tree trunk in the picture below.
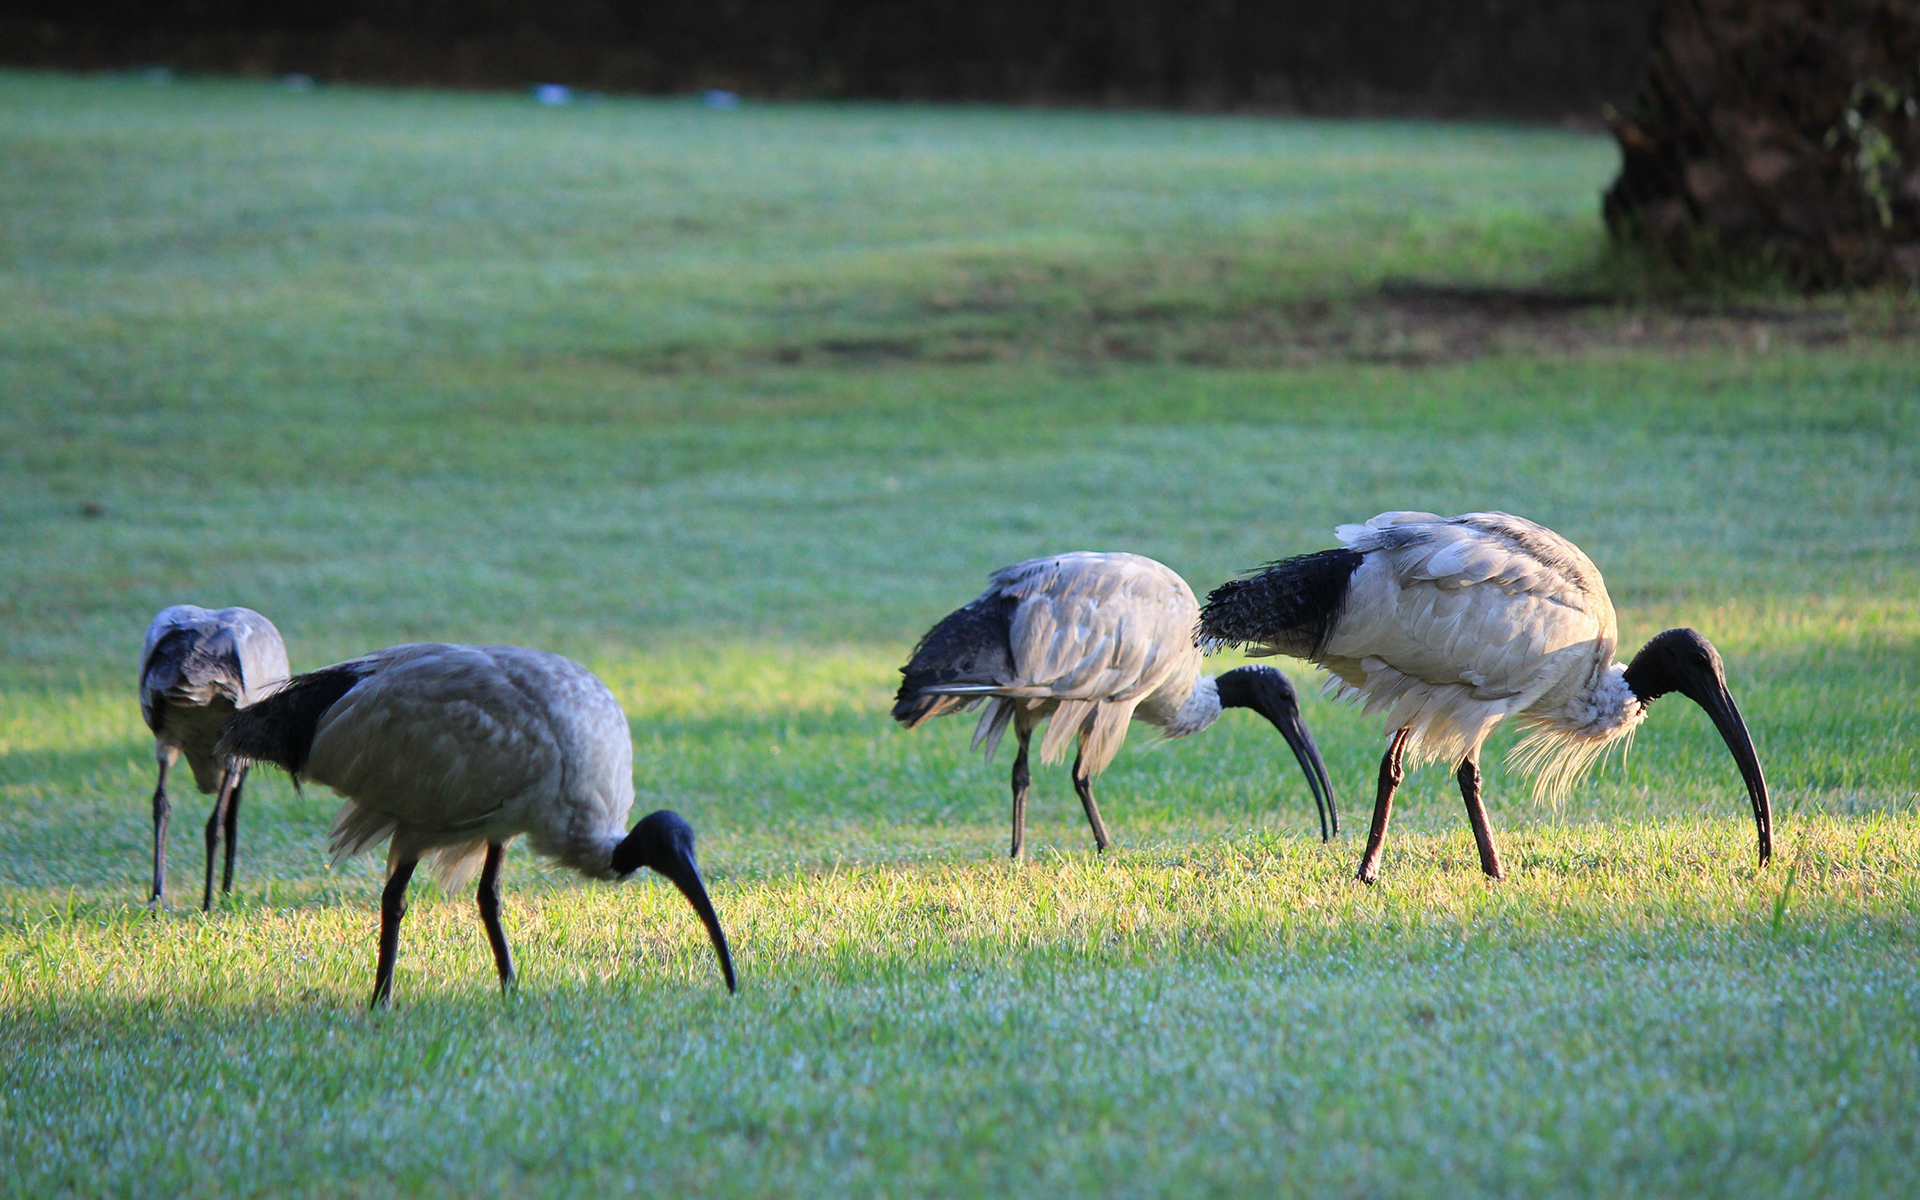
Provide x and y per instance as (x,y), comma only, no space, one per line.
(1781,130)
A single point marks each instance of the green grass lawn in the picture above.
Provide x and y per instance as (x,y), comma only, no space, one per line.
(731,406)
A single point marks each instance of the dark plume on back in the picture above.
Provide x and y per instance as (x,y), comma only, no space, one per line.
(1289,608)
(970,646)
(280,729)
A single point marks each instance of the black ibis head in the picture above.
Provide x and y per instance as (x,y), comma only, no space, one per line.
(1267,692)
(663,842)
(1681,660)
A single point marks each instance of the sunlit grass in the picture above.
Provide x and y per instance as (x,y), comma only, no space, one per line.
(731,407)
(1241,1004)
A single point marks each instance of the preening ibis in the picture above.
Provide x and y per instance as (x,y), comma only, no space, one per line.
(451,752)
(1091,641)
(196,668)
(1452,625)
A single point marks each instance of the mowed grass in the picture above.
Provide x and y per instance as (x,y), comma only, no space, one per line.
(731,406)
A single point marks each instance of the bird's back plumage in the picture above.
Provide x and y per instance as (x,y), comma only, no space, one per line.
(1086,637)
(1451,625)
(444,748)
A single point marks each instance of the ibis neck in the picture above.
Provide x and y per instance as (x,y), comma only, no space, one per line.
(1200,709)
(592,855)
(1606,713)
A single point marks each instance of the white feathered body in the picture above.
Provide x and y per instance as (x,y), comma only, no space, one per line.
(1453,625)
(1096,640)
(446,748)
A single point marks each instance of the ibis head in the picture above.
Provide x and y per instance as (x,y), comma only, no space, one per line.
(1683,661)
(1267,692)
(663,842)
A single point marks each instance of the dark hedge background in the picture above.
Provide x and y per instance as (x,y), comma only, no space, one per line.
(1531,58)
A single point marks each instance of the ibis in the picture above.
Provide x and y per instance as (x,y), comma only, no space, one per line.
(1089,642)
(1453,625)
(449,752)
(198,666)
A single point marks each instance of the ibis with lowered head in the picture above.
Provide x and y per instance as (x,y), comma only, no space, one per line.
(1090,641)
(197,668)
(1453,625)
(449,752)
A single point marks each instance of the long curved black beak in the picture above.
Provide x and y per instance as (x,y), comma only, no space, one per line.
(1718,702)
(1294,729)
(1267,692)
(663,841)
(687,879)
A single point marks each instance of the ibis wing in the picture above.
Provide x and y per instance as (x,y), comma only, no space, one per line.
(1495,642)
(259,655)
(1513,553)
(1084,635)
(1098,627)
(1096,634)
(1456,624)
(439,738)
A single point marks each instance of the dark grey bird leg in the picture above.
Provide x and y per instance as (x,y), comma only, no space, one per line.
(215,820)
(1391,774)
(161,811)
(489,898)
(1021,779)
(1469,777)
(393,906)
(1084,785)
(232,824)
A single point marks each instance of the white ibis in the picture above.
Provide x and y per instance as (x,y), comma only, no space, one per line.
(1092,641)
(196,668)
(452,751)
(1452,625)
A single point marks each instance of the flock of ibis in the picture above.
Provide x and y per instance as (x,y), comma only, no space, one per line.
(1448,625)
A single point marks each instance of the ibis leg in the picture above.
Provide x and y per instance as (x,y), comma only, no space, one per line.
(490,914)
(1083,784)
(161,811)
(1469,777)
(1021,779)
(1391,773)
(232,824)
(393,906)
(215,820)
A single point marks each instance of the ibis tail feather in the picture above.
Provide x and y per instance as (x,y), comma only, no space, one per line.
(280,728)
(1288,608)
(970,646)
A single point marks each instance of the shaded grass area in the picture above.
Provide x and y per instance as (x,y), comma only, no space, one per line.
(888,495)
(731,406)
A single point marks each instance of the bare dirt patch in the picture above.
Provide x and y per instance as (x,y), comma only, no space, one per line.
(1419,324)
(1403,322)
